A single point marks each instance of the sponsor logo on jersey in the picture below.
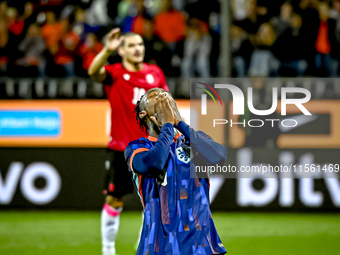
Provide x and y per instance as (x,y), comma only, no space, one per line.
(126,76)
(184,154)
(150,79)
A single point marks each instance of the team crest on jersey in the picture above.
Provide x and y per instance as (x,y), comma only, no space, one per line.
(126,76)
(184,154)
(150,79)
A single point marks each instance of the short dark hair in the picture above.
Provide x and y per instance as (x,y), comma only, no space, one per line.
(126,35)
(142,124)
(141,106)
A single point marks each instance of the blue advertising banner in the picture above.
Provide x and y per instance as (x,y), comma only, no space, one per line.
(30,123)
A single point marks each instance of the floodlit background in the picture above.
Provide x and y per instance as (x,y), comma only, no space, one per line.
(55,121)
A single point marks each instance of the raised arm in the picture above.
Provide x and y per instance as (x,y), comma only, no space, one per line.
(152,161)
(97,71)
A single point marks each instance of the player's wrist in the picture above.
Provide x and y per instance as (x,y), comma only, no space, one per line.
(168,123)
(177,122)
(108,51)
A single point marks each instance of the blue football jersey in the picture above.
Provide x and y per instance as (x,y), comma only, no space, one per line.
(177,216)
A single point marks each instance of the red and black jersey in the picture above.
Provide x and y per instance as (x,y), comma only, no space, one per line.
(123,89)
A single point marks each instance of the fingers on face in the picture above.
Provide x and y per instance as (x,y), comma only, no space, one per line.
(163,101)
(154,120)
(158,106)
(168,103)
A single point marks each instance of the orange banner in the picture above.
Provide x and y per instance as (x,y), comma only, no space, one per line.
(75,123)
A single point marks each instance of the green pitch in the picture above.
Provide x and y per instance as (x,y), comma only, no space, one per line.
(73,233)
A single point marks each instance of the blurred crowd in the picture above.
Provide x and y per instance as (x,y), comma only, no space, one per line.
(286,38)
(60,38)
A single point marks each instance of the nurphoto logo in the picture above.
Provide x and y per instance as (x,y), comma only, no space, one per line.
(239,103)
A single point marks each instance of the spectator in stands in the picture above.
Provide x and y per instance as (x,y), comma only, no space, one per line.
(267,9)
(157,51)
(289,49)
(125,8)
(51,3)
(252,21)
(335,14)
(15,26)
(241,49)
(52,32)
(135,21)
(215,33)
(81,27)
(239,9)
(138,25)
(67,49)
(33,47)
(97,14)
(326,45)
(3,46)
(282,22)
(170,25)
(308,5)
(208,12)
(15,23)
(197,46)
(201,9)
(29,16)
(3,9)
(19,21)
(263,63)
(89,49)
(310,22)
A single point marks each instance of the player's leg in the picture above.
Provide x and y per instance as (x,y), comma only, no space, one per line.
(110,219)
(118,184)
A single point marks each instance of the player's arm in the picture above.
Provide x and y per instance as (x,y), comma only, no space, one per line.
(151,162)
(206,147)
(97,71)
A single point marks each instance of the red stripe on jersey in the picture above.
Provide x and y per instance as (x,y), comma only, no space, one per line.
(155,139)
(140,189)
(134,154)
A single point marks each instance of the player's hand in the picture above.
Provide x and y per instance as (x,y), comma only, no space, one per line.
(163,111)
(113,40)
(177,115)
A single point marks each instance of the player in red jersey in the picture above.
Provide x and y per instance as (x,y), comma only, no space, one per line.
(124,84)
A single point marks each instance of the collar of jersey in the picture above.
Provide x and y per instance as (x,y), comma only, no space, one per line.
(155,139)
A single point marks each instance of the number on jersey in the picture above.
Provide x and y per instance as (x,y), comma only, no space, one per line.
(137,93)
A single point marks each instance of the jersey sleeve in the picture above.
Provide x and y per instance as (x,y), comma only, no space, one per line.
(110,75)
(133,149)
(149,159)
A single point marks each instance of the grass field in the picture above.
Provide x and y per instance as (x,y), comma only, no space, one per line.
(63,233)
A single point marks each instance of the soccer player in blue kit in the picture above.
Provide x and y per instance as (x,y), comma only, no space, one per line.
(177,216)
